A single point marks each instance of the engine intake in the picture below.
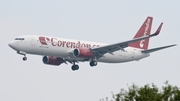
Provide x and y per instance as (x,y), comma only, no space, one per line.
(82,52)
(52,60)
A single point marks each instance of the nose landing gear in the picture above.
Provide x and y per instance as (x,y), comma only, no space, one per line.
(22,53)
(24,58)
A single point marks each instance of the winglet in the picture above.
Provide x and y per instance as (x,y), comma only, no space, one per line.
(159,29)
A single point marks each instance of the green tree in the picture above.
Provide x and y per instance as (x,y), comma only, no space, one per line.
(148,93)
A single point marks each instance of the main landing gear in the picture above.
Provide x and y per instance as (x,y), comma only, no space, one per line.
(74,67)
(93,63)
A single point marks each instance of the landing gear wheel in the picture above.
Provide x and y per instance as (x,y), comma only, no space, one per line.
(24,58)
(93,63)
(75,67)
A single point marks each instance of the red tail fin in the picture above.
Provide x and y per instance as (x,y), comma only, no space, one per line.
(143,31)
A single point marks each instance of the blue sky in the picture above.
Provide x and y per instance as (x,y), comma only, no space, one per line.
(94,20)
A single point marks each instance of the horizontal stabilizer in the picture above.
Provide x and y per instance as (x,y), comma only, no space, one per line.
(156,49)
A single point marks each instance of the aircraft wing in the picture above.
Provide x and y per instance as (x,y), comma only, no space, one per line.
(100,51)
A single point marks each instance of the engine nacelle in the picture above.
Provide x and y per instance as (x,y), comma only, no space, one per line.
(83,53)
(52,60)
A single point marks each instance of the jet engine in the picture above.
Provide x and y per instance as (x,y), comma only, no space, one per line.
(83,53)
(52,60)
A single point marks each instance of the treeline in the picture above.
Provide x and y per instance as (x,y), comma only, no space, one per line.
(149,92)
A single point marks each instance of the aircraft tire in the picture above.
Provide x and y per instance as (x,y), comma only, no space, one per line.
(24,58)
(75,67)
(93,63)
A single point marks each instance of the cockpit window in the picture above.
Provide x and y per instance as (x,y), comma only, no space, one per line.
(19,38)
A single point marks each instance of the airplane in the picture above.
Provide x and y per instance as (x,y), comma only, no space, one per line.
(56,51)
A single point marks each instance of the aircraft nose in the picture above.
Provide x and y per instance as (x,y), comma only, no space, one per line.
(12,44)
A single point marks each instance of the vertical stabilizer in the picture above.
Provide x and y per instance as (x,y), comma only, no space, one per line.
(143,31)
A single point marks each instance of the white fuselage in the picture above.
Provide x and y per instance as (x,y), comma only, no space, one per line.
(63,48)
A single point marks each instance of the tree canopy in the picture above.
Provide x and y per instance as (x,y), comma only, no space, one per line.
(148,93)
